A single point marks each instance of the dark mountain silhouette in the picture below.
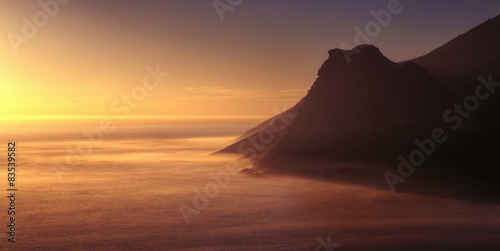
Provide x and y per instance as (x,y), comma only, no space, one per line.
(370,109)
(458,63)
(359,116)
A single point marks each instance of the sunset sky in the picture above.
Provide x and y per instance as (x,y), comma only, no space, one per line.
(263,56)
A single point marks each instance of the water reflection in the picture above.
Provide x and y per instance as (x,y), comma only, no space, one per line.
(125,195)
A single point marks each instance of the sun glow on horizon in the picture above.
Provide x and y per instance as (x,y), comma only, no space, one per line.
(92,53)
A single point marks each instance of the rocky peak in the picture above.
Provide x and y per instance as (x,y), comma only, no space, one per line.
(360,57)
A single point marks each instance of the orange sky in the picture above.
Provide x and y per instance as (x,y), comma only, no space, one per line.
(262,57)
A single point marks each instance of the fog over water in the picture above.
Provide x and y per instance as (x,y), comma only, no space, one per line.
(125,195)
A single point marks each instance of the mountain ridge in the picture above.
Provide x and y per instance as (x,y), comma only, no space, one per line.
(371,109)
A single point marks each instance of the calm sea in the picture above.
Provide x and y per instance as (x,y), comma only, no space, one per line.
(152,185)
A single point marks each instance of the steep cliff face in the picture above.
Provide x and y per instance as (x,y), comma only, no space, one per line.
(367,109)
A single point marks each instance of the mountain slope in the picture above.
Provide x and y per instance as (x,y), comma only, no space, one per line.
(264,136)
(458,63)
(365,110)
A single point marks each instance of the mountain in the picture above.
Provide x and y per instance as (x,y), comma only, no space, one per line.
(458,63)
(362,115)
(369,109)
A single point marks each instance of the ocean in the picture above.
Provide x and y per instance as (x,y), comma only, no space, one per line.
(152,184)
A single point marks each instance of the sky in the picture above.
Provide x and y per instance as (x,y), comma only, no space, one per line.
(89,58)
